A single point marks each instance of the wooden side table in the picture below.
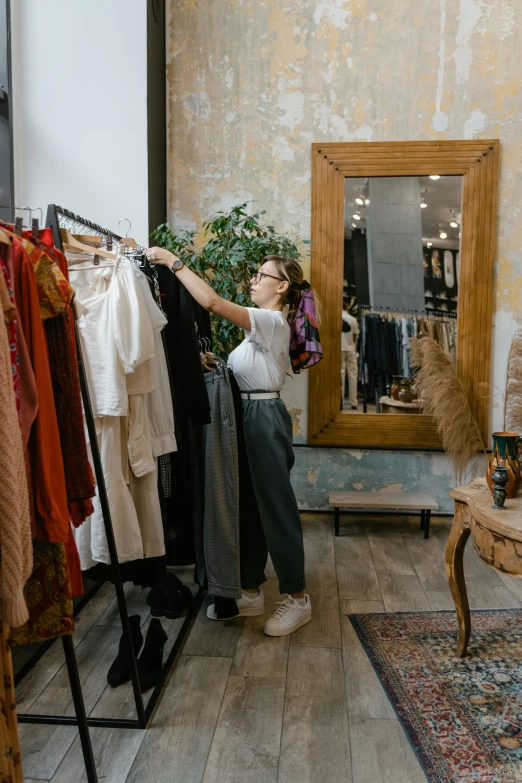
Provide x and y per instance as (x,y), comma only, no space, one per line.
(497,540)
(389,405)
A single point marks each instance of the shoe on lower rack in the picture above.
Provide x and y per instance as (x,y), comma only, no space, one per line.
(249,605)
(290,616)
(119,673)
(150,662)
(171,600)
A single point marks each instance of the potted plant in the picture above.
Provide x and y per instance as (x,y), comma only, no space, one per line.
(233,246)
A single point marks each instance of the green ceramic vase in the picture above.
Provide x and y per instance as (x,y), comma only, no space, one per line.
(505,452)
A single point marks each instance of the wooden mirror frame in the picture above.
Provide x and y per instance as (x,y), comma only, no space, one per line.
(477,162)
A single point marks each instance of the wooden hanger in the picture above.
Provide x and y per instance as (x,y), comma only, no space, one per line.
(98,240)
(70,241)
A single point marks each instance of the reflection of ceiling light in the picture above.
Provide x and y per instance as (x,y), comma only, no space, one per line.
(359,200)
(454,224)
(443,235)
(367,202)
(429,244)
(356,216)
(434,176)
(423,204)
(354,225)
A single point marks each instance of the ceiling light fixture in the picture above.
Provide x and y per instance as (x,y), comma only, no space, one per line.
(359,200)
(443,235)
(367,202)
(354,225)
(356,216)
(423,203)
(429,244)
(434,176)
(454,224)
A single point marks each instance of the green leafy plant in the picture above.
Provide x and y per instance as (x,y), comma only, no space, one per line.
(234,245)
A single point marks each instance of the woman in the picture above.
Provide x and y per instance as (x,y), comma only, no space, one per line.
(260,365)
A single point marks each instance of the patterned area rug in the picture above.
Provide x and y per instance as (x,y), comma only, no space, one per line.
(463,717)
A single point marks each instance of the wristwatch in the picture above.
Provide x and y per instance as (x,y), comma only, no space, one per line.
(177,265)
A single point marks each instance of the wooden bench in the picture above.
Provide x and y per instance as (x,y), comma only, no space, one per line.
(402,502)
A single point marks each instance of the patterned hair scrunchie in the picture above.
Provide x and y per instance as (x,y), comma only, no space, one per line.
(305,344)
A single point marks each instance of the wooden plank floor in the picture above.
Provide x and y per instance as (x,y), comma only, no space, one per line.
(243,708)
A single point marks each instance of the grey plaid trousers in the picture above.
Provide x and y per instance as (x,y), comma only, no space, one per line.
(221,521)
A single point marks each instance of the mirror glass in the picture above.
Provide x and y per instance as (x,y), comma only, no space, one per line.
(401,274)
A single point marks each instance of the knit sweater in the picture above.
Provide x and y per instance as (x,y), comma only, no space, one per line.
(16,552)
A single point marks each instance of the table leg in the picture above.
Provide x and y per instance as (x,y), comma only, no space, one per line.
(455,572)
(427,520)
(422,520)
(337,519)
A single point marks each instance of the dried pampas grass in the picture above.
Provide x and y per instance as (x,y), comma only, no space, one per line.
(444,398)
(513,400)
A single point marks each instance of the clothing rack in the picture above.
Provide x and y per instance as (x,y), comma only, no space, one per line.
(143,712)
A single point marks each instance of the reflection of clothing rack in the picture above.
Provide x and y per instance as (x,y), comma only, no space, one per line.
(56,217)
(384,348)
(435,313)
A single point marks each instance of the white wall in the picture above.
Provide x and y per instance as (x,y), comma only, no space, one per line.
(79,99)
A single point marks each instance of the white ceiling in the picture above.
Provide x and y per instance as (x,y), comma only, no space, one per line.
(442,195)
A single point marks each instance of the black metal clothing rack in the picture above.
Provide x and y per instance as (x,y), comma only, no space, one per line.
(143,712)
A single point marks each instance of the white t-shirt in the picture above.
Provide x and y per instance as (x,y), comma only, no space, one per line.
(349,340)
(260,362)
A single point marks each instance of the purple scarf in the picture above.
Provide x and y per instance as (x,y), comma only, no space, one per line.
(305,345)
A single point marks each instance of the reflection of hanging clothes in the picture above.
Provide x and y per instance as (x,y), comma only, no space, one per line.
(385,345)
(405,343)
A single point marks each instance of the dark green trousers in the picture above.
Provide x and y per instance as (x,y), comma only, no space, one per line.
(268,437)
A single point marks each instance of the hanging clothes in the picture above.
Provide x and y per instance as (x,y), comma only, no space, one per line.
(47,473)
(41,293)
(15,522)
(119,343)
(184,508)
(79,479)
(221,520)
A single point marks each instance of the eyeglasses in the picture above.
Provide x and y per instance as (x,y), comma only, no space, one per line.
(261,276)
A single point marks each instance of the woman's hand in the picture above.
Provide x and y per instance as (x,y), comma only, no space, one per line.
(158,255)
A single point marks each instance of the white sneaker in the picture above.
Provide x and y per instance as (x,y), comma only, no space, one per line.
(249,605)
(289,617)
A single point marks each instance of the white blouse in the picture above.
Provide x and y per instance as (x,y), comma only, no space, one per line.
(117,336)
(260,362)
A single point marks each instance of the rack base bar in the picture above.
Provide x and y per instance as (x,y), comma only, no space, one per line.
(70,720)
(130,723)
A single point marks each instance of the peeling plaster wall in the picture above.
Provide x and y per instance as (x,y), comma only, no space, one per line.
(252,84)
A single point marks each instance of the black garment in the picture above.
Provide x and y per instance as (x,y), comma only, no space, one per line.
(182,511)
(183,350)
(145,572)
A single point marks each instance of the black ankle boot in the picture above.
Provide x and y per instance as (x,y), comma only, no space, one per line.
(170,600)
(151,659)
(119,672)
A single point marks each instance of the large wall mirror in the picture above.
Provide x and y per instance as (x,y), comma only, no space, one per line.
(403,245)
